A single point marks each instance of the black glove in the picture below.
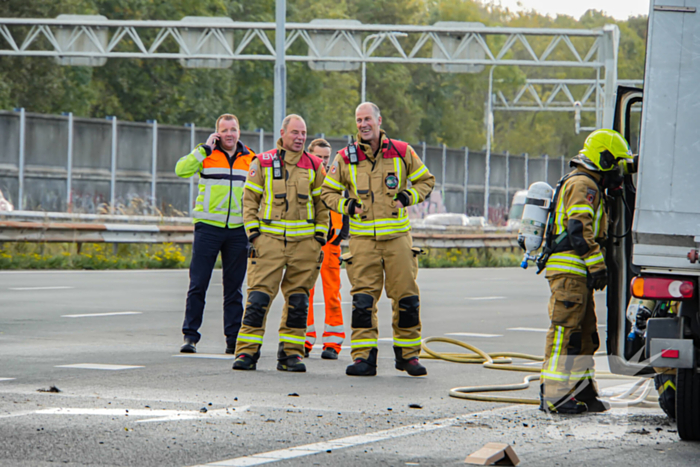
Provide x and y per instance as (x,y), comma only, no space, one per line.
(405,198)
(597,280)
(254,233)
(320,239)
(351,206)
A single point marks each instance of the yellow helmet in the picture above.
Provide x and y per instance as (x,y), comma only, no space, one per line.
(603,148)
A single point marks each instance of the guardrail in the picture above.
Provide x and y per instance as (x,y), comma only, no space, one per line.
(30,226)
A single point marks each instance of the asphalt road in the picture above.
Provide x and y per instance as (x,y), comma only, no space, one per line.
(67,329)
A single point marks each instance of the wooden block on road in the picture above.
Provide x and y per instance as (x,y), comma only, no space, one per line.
(493,454)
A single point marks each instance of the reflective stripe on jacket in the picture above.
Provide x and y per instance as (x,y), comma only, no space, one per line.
(580,212)
(375,183)
(290,206)
(220,196)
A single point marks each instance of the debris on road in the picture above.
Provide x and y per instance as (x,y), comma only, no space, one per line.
(51,389)
(493,453)
(203,410)
(293,394)
(415,406)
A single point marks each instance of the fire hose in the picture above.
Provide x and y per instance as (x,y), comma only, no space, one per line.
(504,361)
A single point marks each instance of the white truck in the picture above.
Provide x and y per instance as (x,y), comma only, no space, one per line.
(655,235)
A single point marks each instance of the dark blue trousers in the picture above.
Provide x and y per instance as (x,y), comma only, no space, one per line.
(208,242)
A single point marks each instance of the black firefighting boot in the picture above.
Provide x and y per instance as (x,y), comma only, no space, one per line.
(567,405)
(246,362)
(411,365)
(589,396)
(289,362)
(329,354)
(364,366)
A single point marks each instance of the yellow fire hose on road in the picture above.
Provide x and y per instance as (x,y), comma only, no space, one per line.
(504,361)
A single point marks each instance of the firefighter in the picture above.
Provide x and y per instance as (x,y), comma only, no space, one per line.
(376,172)
(575,268)
(333,331)
(287,224)
(222,164)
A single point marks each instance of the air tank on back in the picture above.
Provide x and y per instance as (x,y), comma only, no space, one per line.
(534,220)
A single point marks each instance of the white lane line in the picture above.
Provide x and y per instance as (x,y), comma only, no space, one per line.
(350,441)
(148,415)
(472,334)
(99,366)
(385,339)
(484,298)
(214,356)
(91,315)
(6,379)
(58,287)
(528,329)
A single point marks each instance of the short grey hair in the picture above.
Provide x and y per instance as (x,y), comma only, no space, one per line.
(289,118)
(375,109)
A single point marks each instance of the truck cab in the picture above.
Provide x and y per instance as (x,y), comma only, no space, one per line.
(654,238)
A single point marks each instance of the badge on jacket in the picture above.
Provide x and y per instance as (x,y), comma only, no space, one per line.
(590,195)
(391,181)
(252,172)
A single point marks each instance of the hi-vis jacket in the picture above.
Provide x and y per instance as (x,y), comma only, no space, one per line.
(290,205)
(374,182)
(220,198)
(580,212)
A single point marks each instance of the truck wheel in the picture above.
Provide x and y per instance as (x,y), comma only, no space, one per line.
(688,404)
(666,386)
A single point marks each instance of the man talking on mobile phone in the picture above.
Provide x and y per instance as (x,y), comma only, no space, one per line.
(222,164)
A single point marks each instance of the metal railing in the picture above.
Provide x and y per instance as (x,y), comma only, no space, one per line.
(25,226)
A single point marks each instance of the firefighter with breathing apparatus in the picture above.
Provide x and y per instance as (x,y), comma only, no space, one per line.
(574,224)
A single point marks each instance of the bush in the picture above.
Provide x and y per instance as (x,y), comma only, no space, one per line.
(93,256)
(463,258)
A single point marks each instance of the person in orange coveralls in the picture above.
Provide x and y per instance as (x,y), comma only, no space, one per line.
(333,332)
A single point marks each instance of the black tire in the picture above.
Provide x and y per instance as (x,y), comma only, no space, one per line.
(666,385)
(688,404)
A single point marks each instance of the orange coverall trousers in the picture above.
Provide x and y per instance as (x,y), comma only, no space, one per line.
(333,332)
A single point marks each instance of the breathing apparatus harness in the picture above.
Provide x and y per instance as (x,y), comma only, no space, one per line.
(552,243)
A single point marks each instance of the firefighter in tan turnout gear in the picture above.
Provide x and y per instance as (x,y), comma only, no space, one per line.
(287,224)
(376,173)
(575,262)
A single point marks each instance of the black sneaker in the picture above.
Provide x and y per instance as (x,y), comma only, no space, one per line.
(189,346)
(291,363)
(306,352)
(411,365)
(231,350)
(246,362)
(329,354)
(364,367)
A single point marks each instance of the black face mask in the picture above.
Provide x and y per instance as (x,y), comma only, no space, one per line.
(613,179)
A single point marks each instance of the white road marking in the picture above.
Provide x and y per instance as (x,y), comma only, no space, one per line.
(484,298)
(472,334)
(152,415)
(214,356)
(90,315)
(6,379)
(57,287)
(528,329)
(99,366)
(385,339)
(350,441)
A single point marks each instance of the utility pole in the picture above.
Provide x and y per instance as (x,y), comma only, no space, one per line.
(280,68)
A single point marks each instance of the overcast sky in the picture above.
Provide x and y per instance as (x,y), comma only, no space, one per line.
(618,9)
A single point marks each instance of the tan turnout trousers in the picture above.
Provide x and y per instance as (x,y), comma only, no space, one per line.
(269,257)
(572,338)
(393,264)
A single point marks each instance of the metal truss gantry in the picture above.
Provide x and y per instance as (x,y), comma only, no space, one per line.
(149,39)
